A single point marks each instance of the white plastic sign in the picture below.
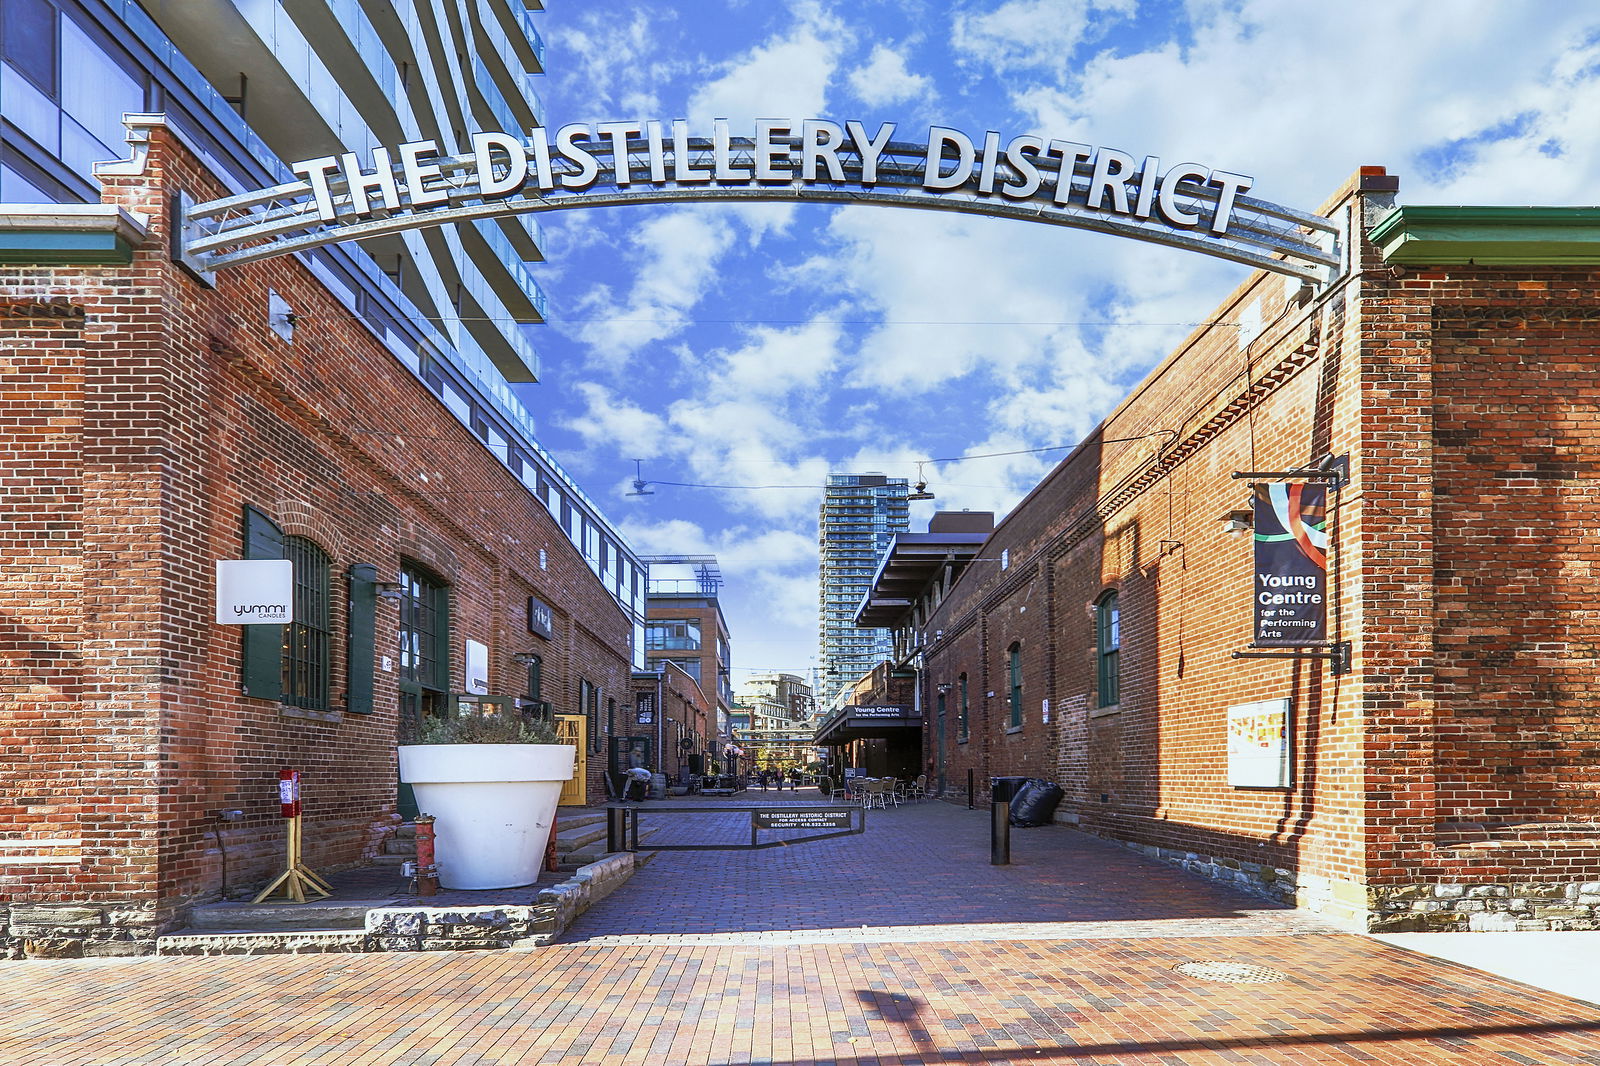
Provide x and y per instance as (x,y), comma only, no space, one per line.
(255,591)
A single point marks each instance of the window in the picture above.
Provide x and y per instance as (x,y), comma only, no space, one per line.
(1014,665)
(424,631)
(672,636)
(688,666)
(307,640)
(64,89)
(965,721)
(1108,649)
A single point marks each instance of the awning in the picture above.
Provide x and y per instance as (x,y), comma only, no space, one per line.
(861,723)
(910,565)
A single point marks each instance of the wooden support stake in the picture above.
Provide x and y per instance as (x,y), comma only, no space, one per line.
(297,879)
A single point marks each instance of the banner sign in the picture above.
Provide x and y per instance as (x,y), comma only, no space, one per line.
(1290,589)
(644,708)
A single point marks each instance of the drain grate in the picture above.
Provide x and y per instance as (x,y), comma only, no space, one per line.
(1238,973)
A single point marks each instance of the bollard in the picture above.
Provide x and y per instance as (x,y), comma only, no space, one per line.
(427,871)
(616,829)
(999,833)
(970,805)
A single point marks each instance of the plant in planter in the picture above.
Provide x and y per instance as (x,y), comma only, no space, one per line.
(491,782)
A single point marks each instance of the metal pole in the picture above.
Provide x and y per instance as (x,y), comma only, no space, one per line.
(999,833)
(970,805)
(616,828)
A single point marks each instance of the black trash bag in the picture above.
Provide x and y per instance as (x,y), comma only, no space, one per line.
(1019,794)
(1036,803)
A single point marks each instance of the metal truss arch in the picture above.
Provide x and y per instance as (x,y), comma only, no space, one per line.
(284,219)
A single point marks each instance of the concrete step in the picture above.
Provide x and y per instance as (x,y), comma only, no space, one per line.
(255,942)
(279,917)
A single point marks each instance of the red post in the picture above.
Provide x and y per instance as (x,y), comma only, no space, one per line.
(427,872)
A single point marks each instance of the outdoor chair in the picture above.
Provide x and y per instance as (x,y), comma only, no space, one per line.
(878,792)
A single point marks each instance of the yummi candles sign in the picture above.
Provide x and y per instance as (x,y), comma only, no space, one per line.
(1290,587)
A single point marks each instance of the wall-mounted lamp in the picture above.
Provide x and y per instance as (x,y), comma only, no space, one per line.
(524,658)
(390,590)
(944,688)
(1238,521)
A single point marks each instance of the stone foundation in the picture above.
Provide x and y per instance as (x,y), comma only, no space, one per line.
(1516,906)
(77,931)
(1476,907)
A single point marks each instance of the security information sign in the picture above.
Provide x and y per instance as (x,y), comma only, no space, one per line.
(791,819)
(1291,564)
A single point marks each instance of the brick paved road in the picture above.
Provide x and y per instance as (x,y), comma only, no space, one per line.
(920,871)
(860,997)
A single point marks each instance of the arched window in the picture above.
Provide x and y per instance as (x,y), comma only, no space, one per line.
(1108,650)
(308,639)
(1014,667)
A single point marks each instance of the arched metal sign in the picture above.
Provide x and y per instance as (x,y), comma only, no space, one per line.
(1064,183)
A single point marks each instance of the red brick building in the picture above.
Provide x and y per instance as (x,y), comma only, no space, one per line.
(681,726)
(1448,779)
(152,425)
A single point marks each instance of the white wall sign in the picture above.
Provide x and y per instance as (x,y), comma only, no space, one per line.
(477,667)
(1258,744)
(255,591)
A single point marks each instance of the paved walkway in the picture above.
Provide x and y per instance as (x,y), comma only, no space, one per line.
(1080,954)
(921,872)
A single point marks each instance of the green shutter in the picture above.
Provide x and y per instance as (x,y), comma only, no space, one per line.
(261,672)
(362,648)
(442,656)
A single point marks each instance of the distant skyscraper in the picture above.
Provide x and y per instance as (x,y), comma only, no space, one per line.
(860,515)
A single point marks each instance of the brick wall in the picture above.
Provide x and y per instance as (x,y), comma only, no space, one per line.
(134,435)
(1449,781)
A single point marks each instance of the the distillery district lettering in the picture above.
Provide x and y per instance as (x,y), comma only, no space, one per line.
(779,152)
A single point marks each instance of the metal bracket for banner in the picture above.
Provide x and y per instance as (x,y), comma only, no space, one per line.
(1338,654)
(1334,469)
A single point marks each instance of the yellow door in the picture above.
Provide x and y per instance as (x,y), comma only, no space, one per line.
(570,729)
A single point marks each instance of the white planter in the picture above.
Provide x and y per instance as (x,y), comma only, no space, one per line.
(492,804)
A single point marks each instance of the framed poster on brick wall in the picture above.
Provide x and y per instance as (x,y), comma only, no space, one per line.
(1258,744)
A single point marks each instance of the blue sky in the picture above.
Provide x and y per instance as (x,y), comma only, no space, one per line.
(765,345)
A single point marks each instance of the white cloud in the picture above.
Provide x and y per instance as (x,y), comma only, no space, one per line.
(885,80)
(620,62)
(613,421)
(675,257)
(1023,35)
(783,77)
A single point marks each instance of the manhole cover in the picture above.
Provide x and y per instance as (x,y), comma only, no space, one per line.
(1239,973)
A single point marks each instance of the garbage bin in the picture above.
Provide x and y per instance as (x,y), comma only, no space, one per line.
(1001,789)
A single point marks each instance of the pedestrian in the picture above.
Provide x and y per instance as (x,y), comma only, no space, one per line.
(638,778)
